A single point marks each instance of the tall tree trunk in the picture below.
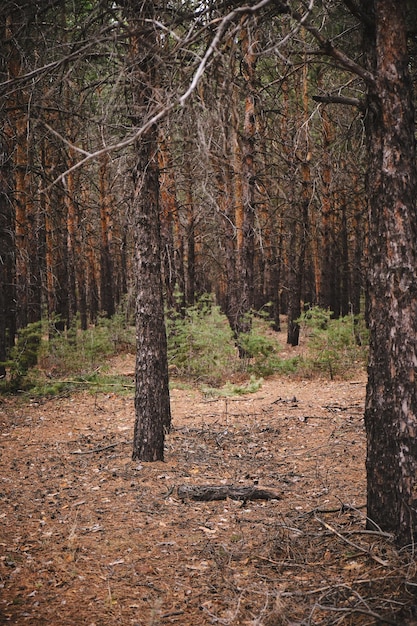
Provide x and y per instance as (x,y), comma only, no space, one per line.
(72,229)
(56,238)
(190,283)
(225,199)
(239,195)
(7,227)
(296,262)
(246,225)
(359,236)
(299,230)
(17,104)
(91,262)
(169,208)
(345,287)
(327,220)
(106,226)
(7,254)
(391,397)
(152,404)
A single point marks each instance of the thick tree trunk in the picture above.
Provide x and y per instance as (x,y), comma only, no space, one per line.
(152,404)
(391,401)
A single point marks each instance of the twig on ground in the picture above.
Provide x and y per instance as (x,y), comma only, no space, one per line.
(93,382)
(112,445)
(350,611)
(351,543)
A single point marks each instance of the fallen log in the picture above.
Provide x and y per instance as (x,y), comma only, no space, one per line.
(207,493)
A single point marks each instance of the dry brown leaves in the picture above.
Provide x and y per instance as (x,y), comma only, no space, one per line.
(90,537)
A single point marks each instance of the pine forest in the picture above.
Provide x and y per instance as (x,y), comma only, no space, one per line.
(261,198)
(165,164)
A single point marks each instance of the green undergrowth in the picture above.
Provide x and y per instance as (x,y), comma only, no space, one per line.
(23,356)
(202,352)
(336,347)
(96,382)
(76,351)
(233,389)
(58,362)
(202,348)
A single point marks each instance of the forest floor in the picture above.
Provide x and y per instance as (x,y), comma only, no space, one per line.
(89,537)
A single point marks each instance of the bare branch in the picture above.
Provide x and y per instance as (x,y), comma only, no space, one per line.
(214,43)
(281,7)
(329,99)
(353,545)
(224,23)
(65,141)
(113,147)
(328,48)
(75,54)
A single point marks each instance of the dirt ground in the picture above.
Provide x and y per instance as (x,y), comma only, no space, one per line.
(89,537)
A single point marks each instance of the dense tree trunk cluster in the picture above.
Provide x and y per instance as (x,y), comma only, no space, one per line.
(152,152)
(246,201)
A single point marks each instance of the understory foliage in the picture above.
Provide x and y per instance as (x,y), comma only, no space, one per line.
(336,347)
(80,351)
(201,346)
(201,350)
(24,354)
(200,343)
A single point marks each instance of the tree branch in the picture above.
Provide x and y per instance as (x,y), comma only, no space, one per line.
(327,47)
(181,100)
(215,41)
(328,99)
(282,7)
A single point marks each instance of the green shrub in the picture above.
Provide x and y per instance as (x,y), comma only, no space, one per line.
(337,347)
(231,389)
(80,351)
(200,343)
(201,346)
(262,351)
(23,355)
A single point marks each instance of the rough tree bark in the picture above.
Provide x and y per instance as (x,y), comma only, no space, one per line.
(391,183)
(152,404)
(299,227)
(391,399)
(246,224)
